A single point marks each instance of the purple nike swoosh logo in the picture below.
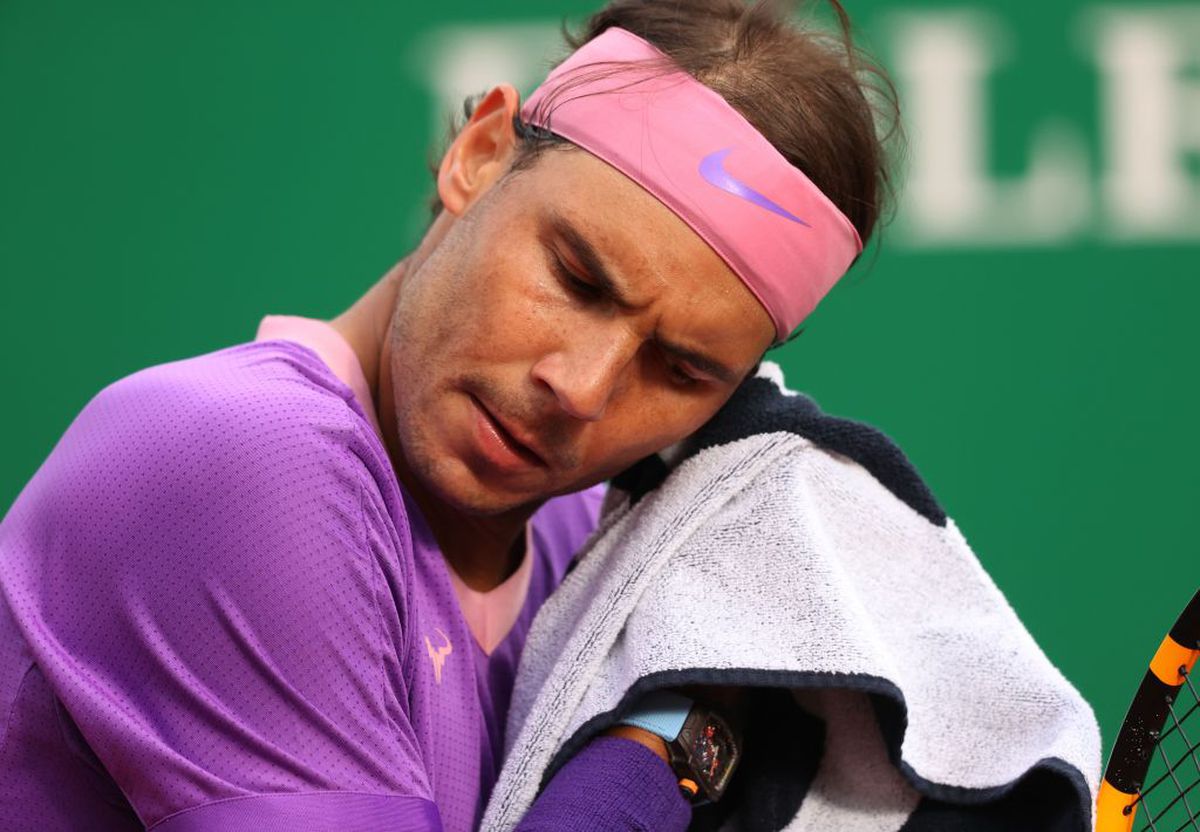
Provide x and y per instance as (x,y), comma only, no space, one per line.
(712,168)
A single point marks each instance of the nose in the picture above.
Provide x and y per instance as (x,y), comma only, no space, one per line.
(587,372)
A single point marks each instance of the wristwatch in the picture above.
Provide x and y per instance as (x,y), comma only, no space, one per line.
(703,747)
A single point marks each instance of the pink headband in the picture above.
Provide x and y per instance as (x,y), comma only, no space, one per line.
(688,147)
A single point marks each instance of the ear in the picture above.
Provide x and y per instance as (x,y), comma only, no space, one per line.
(481,151)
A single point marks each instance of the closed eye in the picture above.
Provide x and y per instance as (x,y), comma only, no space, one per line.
(681,377)
(574,283)
(681,373)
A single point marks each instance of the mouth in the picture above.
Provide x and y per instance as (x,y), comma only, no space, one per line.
(505,436)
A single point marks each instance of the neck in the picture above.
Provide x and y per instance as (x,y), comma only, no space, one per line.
(365,324)
(482,550)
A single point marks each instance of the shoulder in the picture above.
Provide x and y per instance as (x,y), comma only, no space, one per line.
(256,392)
(761,405)
(207,463)
(202,509)
(764,405)
(205,545)
(246,416)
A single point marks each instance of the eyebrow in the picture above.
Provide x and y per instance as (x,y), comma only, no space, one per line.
(701,362)
(593,264)
(591,261)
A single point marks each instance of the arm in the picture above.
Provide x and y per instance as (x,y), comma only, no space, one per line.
(625,780)
(205,610)
(619,782)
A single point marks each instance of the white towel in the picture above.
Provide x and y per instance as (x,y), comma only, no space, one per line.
(802,556)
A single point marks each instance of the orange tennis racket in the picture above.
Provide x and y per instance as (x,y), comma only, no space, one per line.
(1153,774)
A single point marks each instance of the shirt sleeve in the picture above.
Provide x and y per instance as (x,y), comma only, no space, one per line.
(612,785)
(192,569)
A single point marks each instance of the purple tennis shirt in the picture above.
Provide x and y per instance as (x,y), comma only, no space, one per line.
(220,610)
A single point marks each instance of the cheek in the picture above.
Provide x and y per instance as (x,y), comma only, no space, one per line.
(516,311)
(424,328)
(455,312)
(654,418)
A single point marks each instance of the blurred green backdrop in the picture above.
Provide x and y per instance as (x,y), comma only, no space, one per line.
(170,172)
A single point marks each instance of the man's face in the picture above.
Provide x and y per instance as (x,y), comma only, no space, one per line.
(567,325)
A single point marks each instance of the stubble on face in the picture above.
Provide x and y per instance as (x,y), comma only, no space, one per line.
(473,318)
(446,344)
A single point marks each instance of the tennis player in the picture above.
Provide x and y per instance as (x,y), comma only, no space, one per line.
(286,585)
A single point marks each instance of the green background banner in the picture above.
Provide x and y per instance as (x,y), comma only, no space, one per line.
(171,172)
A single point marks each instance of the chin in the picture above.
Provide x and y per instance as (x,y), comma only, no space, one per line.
(457,487)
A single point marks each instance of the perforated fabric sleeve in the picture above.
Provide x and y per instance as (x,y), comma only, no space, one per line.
(199,580)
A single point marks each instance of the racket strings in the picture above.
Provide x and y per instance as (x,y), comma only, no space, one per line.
(1182,751)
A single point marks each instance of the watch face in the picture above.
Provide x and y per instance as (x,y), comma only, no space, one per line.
(711,751)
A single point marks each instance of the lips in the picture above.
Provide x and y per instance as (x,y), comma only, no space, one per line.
(506,438)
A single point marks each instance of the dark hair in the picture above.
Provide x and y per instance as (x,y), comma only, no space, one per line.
(809,92)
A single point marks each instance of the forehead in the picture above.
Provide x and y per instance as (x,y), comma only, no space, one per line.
(663,262)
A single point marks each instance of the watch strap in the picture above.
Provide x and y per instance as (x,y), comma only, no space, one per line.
(661,712)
